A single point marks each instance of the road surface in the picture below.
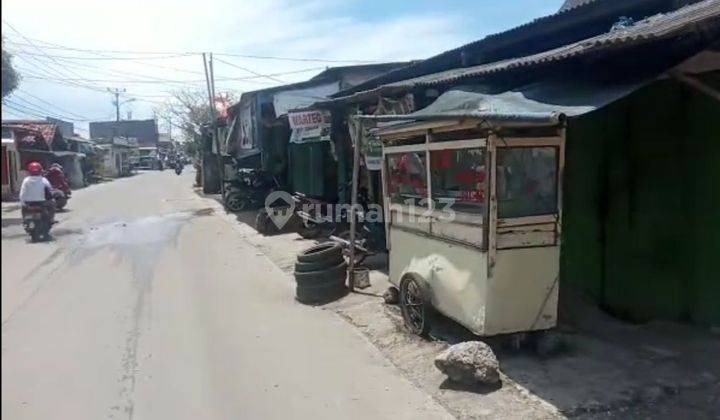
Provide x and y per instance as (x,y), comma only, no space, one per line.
(149,305)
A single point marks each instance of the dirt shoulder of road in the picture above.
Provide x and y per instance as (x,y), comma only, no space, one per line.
(604,369)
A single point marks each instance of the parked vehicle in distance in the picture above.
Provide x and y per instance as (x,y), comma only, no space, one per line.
(150,163)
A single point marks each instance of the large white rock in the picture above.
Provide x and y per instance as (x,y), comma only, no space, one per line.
(469,362)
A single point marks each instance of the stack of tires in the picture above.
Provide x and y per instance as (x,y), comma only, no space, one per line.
(320,273)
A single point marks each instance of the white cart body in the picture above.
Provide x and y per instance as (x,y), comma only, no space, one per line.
(493,265)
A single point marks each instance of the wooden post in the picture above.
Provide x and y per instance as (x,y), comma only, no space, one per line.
(353,200)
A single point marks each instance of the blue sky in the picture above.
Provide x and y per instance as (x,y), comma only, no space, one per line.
(322,29)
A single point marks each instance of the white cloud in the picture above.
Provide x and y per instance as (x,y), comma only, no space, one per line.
(269,27)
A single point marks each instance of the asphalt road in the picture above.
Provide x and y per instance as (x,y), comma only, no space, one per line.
(149,305)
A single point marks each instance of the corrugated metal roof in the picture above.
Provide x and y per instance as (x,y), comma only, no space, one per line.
(574,15)
(572,4)
(541,103)
(46,130)
(651,29)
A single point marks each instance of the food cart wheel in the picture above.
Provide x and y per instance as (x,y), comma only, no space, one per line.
(415,305)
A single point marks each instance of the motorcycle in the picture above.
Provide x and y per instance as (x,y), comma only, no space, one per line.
(369,235)
(61,198)
(178,168)
(248,190)
(36,221)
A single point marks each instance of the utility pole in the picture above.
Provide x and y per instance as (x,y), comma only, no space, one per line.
(117,93)
(210,80)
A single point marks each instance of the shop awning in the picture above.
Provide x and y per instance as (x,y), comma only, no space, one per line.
(543,103)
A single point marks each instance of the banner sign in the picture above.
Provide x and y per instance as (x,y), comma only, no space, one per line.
(308,119)
(309,126)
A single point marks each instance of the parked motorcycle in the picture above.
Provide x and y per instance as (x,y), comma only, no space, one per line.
(248,190)
(178,168)
(36,221)
(369,235)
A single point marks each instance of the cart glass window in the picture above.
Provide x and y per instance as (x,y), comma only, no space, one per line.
(459,179)
(407,178)
(526,181)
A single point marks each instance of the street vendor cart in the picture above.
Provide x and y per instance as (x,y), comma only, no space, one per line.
(473,215)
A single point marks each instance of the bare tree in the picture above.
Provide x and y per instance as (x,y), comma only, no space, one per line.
(189,110)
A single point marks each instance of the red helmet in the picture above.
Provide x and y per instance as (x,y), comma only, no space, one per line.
(35,168)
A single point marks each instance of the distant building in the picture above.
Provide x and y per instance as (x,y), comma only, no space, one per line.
(67,129)
(118,156)
(145,131)
(41,141)
(165,143)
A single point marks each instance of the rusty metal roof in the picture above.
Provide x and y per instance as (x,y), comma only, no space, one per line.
(46,130)
(654,28)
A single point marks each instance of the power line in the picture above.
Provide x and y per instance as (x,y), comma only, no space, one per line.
(39,108)
(47,103)
(32,110)
(153,79)
(249,71)
(163,81)
(25,73)
(44,112)
(37,48)
(189,53)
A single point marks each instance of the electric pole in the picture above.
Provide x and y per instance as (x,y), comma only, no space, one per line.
(210,81)
(116,102)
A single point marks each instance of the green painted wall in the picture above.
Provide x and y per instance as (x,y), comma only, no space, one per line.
(313,170)
(642,205)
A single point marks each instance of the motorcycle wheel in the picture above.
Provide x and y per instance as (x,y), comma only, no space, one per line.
(309,230)
(34,235)
(60,203)
(236,202)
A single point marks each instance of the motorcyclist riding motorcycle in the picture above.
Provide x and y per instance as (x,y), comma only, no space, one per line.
(36,197)
(61,188)
(57,178)
(178,167)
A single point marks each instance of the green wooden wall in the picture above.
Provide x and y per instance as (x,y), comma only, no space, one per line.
(641,229)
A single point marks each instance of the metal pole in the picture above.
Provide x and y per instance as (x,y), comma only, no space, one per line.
(211,102)
(117,93)
(221,161)
(353,200)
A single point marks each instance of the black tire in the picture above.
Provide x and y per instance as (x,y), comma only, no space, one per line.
(263,224)
(415,305)
(236,202)
(35,235)
(303,267)
(317,295)
(309,230)
(325,251)
(336,274)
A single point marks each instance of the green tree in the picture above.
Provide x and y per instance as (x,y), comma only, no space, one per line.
(10,77)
